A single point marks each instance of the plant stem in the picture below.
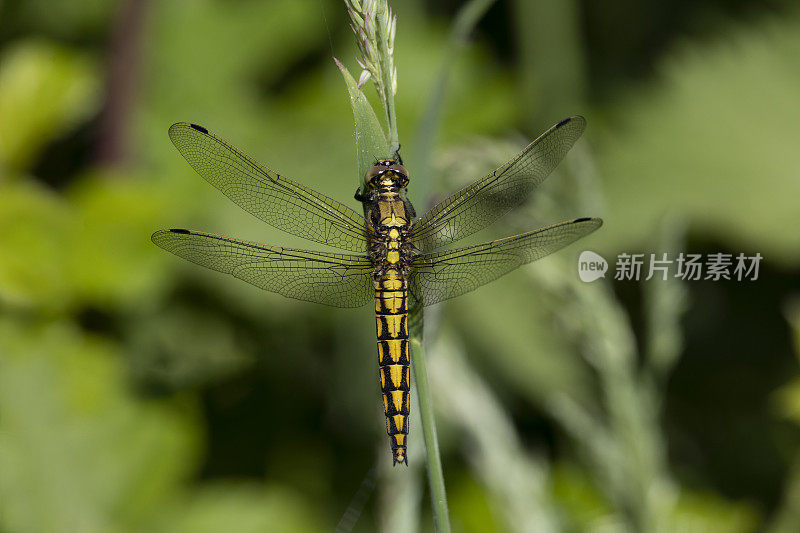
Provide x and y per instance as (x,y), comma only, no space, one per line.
(552,62)
(388,86)
(466,19)
(441,517)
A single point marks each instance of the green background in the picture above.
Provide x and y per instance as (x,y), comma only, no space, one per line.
(141,393)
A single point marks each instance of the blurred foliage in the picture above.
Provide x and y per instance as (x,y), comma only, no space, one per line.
(138,393)
(44,91)
(715,127)
(78,451)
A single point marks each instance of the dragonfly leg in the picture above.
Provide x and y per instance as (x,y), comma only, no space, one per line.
(358,196)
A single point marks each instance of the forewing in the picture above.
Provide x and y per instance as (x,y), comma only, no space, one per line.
(278,201)
(339,280)
(442,275)
(478,205)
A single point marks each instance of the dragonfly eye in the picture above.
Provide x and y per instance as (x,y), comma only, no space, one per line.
(401,171)
(374,172)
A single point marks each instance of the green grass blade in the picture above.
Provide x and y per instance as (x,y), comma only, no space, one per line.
(371,141)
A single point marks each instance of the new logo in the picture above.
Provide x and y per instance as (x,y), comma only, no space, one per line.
(591,266)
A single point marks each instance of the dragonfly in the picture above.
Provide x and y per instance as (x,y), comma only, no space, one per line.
(401,262)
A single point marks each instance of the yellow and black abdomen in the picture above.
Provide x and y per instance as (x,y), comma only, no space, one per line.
(391,315)
(391,216)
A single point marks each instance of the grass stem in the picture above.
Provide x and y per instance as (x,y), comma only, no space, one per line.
(389,84)
(441,517)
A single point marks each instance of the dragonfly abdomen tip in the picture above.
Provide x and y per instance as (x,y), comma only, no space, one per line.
(399,457)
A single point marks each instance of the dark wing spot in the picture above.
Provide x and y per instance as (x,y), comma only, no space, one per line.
(565,121)
(583,219)
(184,231)
(199,128)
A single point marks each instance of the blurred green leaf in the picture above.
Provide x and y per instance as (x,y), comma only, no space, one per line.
(77,451)
(45,89)
(586,510)
(787,397)
(242,508)
(93,246)
(788,400)
(63,18)
(710,513)
(787,516)
(575,494)
(185,347)
(36,224)
(110,260)
(470,508)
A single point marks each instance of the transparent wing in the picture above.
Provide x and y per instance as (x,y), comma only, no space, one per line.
(339,280)
(478,205)
(278,201)
(442,275)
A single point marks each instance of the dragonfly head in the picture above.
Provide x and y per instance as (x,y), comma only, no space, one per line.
(387,173)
